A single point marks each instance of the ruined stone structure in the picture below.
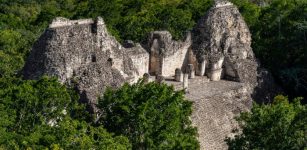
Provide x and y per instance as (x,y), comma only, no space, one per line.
(167,54)
(82,53)
(222,41)
(222,32)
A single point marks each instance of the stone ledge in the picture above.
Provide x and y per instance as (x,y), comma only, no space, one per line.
(63,22)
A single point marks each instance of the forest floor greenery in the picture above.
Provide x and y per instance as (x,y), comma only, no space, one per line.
(279,33)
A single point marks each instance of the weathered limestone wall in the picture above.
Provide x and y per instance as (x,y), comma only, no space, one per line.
(174,61)
(140,61)
(167,54)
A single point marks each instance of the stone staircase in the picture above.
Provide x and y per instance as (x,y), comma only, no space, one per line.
(216,103)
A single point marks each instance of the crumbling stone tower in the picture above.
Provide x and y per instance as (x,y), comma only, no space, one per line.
(83,53)
(223,34)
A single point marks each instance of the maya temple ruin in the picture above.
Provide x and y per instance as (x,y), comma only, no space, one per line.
(214,63)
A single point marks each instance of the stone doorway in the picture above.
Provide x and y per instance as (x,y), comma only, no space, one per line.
(155,62)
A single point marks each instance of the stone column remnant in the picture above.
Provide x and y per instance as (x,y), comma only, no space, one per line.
(216,75)
(178,75)
(202,69)
(146,77)
(191,71)
(185,82)
(216,68)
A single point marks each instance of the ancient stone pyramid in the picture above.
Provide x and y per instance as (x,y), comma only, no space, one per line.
(81,53)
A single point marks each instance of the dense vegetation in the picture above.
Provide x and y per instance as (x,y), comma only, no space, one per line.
(279,33)
(28,108)
(44,114)
(152,116)
(281,125)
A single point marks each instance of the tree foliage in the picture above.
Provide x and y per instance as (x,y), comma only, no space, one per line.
(279,32)
(281,125)
(282,45)
(45,114)
(152,116)
(134,19)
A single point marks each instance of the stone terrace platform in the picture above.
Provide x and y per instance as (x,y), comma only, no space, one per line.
(216,103)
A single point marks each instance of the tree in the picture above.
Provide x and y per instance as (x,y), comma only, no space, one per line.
(281,125)
(152,116)
(280,43)
(45,114)
(249,11)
